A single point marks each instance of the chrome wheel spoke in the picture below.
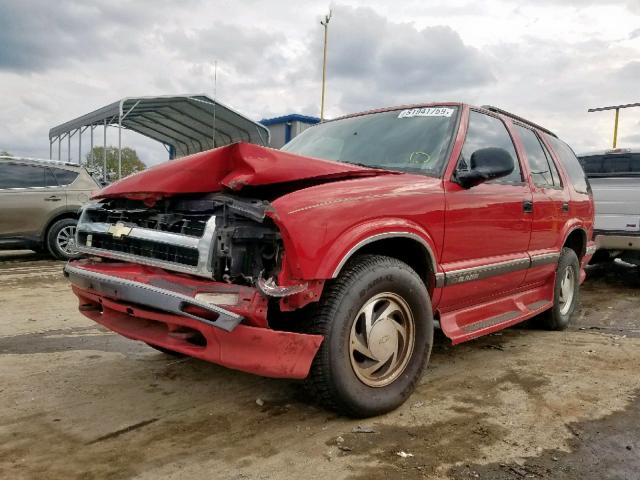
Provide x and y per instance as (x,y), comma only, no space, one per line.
(358,345)
(381,340)
(372,369)
(391,307)
(66,239)
(368,319)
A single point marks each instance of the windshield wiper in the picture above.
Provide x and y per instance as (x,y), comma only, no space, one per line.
(369,166)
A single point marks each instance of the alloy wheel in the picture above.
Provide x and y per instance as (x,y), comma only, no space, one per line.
(66,240)
(567,289)
(382,339)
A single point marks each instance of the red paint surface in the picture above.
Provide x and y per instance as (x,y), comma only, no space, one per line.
(251,304)
(248,348)
(233,167)
(321,223)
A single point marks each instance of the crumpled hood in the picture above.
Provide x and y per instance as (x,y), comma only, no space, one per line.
(232,167)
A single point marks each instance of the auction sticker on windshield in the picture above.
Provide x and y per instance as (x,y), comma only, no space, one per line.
(426,112)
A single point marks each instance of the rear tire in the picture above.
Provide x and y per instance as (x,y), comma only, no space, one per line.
(566,291)
(377,324)
(61,239)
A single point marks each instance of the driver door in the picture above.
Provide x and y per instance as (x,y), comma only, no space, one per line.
(488,226)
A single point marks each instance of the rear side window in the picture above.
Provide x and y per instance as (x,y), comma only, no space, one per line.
(16,175)
(49,179)
(64,177)
(554,169)
(542,167)
(612,164)
(487,131)
(571,164)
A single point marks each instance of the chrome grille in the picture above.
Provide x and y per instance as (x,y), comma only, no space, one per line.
(141,248)
(183,223)
(129,235)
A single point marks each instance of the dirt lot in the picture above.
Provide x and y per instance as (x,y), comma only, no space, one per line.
(79,402)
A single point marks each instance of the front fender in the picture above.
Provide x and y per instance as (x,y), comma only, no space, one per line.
(316,250)
(360,235)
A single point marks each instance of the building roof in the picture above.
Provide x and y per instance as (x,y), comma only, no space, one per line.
(293,117)
(184,122)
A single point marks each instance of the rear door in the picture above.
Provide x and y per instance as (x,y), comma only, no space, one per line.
(29,195)
(487,227)
(76,184)
(551,206)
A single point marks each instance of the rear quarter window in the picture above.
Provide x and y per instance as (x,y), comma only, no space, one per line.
(64,177)
(571,164)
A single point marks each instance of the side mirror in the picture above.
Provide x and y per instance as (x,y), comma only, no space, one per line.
(486,164)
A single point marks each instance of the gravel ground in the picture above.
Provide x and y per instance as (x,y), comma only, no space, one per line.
(79,402)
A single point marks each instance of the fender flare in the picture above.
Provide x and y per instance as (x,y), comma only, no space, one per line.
(382,236)
(572,228)
(366,234)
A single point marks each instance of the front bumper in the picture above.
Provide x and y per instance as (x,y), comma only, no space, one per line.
(158,308)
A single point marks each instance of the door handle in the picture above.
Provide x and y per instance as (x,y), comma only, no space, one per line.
(565,206)
(53,198)
(527,206)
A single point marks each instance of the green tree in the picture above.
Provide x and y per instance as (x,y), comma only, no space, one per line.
(130,161)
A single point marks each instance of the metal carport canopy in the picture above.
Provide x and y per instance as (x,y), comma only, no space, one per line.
(183,122)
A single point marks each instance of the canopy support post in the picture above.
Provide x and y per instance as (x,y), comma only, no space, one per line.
(91,151)
(120,145)
(104,153)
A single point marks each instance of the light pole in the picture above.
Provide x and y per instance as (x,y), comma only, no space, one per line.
(325,24)
(615,121)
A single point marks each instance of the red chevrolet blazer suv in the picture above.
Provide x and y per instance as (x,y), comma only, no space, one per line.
(333,259)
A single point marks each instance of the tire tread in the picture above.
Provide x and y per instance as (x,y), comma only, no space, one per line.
(318,383)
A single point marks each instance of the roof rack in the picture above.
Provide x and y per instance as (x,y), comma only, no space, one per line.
(516,117)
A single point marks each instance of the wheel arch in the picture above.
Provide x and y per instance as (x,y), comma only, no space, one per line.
(54,218)
(576,240)
(407,247)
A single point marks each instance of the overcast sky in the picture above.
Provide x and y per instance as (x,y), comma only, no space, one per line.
(546,60)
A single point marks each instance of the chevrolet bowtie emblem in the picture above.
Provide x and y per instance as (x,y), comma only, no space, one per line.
(119,230)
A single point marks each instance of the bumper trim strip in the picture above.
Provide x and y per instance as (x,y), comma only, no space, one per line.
(150,296)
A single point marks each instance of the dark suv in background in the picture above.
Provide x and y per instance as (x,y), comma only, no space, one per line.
(39,202)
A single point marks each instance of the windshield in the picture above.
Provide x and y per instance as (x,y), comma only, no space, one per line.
(412,140)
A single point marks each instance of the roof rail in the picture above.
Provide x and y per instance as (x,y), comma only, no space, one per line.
(516,117)
(40,160)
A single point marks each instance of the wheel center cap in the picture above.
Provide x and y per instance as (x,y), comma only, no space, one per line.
(383,339)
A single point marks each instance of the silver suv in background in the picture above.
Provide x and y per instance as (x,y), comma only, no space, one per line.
(615,180)
(39,203)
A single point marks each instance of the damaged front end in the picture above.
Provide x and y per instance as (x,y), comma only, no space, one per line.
(194,274)
(213,235)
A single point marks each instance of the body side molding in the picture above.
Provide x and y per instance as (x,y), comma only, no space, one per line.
(455,277)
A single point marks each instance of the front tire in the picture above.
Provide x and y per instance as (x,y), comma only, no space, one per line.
(377,324)
(61,240)
(566,291)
